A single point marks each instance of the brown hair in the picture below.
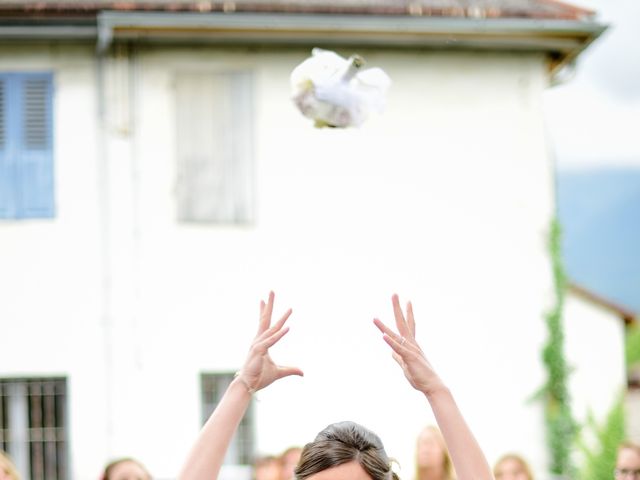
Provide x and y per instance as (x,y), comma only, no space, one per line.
(341,443)
(516,458)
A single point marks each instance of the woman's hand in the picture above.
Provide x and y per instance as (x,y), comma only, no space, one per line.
(259,370)
(207,455)
(407,352)
(468,460)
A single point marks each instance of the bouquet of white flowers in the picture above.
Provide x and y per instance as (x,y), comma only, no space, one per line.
(336,92)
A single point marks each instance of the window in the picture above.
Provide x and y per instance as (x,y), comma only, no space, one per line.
(241,450)
(26,153)
(214,139)
(33,426)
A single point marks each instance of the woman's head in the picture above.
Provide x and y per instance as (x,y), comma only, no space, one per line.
(512,467)
(431,452)
(267,468)
(125,469)
(350,449)
(7,468)
(628,461)
(288,461)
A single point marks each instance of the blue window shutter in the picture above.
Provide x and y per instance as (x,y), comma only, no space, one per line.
(8,192)
(35,157)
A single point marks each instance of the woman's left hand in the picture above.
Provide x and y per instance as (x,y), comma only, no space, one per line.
(407,352)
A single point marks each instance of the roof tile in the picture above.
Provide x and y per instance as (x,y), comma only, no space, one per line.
(536,9)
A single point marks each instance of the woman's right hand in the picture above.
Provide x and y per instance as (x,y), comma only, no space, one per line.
(407,352)
(259,370)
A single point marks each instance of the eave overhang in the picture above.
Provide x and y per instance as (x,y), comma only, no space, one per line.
(561,40)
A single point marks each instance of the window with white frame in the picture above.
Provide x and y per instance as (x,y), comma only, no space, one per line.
(26,150)
(241,451)
(214,139)
(33,426)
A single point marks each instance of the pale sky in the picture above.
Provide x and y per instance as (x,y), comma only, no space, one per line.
(594,118)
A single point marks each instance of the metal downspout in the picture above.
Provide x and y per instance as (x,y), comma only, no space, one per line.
(105,247)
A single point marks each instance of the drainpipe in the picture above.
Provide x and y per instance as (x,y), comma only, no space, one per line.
(105,247)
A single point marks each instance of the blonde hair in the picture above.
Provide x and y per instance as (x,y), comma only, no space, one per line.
(627,445)
(108,469)
(8,466)
(516,458)
(447,465)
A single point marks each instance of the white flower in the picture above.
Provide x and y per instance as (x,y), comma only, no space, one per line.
(335,92)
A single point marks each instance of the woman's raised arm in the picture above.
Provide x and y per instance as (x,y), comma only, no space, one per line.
(467,456)
(259,370)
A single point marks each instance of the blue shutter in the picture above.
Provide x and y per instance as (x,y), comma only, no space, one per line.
(8,192)
(36,153)
(26,153)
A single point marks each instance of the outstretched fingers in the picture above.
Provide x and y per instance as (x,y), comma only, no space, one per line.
(272,334)
(410,320)
(404,328)
(398,343)
(266,310)
(288,371)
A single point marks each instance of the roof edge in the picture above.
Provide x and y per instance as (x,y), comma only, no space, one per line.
(629,317)
(562,40)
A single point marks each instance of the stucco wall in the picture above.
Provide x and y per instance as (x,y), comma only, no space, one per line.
(444,199)
(595,353)
(53,304)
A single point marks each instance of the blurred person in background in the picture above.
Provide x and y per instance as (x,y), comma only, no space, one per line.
(267,467)
(8,470)
(125,469)
(628,462)
(512,466)
(432,457)
(288,462)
